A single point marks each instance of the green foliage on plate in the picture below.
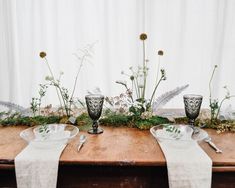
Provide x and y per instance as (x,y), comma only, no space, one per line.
(44,128)
(172,129)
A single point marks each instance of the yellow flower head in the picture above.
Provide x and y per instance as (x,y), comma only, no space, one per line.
(143,36)
(42,54)
(160,52)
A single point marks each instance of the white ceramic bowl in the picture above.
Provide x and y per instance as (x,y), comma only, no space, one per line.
(56,134)
(185,133)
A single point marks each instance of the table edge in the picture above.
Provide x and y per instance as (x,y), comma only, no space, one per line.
(225,167)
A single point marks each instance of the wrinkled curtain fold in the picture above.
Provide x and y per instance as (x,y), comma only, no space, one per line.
(194,35)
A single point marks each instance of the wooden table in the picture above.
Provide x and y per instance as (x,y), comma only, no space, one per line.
(120,157)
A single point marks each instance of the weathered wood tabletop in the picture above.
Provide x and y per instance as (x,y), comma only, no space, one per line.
(118,147)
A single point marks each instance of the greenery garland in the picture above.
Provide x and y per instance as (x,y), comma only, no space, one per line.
(219,125)
(83,121)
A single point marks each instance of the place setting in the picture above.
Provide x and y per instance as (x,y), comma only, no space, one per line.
(187,163)
(179,132)
(37,164)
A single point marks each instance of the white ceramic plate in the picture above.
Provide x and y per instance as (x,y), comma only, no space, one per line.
(185,133)
(56,134)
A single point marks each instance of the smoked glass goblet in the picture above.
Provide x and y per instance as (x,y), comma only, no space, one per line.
(192,105)
(94,104)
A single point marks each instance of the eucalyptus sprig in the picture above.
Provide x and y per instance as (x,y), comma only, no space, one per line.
(34,105)
(36,102)
(171,129)
(44,128)
(42,93)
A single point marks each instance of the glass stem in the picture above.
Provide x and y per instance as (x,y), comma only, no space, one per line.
(191,122)
(95,125)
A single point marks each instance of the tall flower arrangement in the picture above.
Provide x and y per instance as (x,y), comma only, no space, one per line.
(138,77)
(66,99)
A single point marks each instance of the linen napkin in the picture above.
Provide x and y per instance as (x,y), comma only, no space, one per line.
(188,165)
(37,167)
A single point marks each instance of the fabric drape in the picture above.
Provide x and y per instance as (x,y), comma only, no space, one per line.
(194,35)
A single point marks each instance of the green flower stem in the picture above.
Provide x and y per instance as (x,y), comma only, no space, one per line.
(65,105)
(137,88)
(75,82)
(136,84)
(39,106)
(210,99)
(54,81)
(225,98)
(144,71)
(49,67)
(132,85)
(131,95)
(154,91)
(158,67)
(143,53)
(86,53)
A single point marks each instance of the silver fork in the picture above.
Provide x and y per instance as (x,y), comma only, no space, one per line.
(208,140)
(82,140)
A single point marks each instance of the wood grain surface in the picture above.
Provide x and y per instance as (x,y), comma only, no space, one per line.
(118,147)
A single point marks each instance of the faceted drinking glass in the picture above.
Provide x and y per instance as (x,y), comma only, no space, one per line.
(94,104)
(192,105)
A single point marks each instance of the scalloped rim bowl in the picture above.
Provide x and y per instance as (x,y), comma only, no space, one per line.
(57,134)
(184,128)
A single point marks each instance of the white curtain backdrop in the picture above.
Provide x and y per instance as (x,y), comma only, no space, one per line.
(194,35)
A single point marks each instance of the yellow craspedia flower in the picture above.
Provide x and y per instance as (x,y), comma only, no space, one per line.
(42,54)
(160,52)
(143,36)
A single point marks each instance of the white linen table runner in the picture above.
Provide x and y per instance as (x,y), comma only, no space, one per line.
(188,165)
(38,167)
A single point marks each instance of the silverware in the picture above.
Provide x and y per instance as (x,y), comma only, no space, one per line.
(208,140)
(82,140)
